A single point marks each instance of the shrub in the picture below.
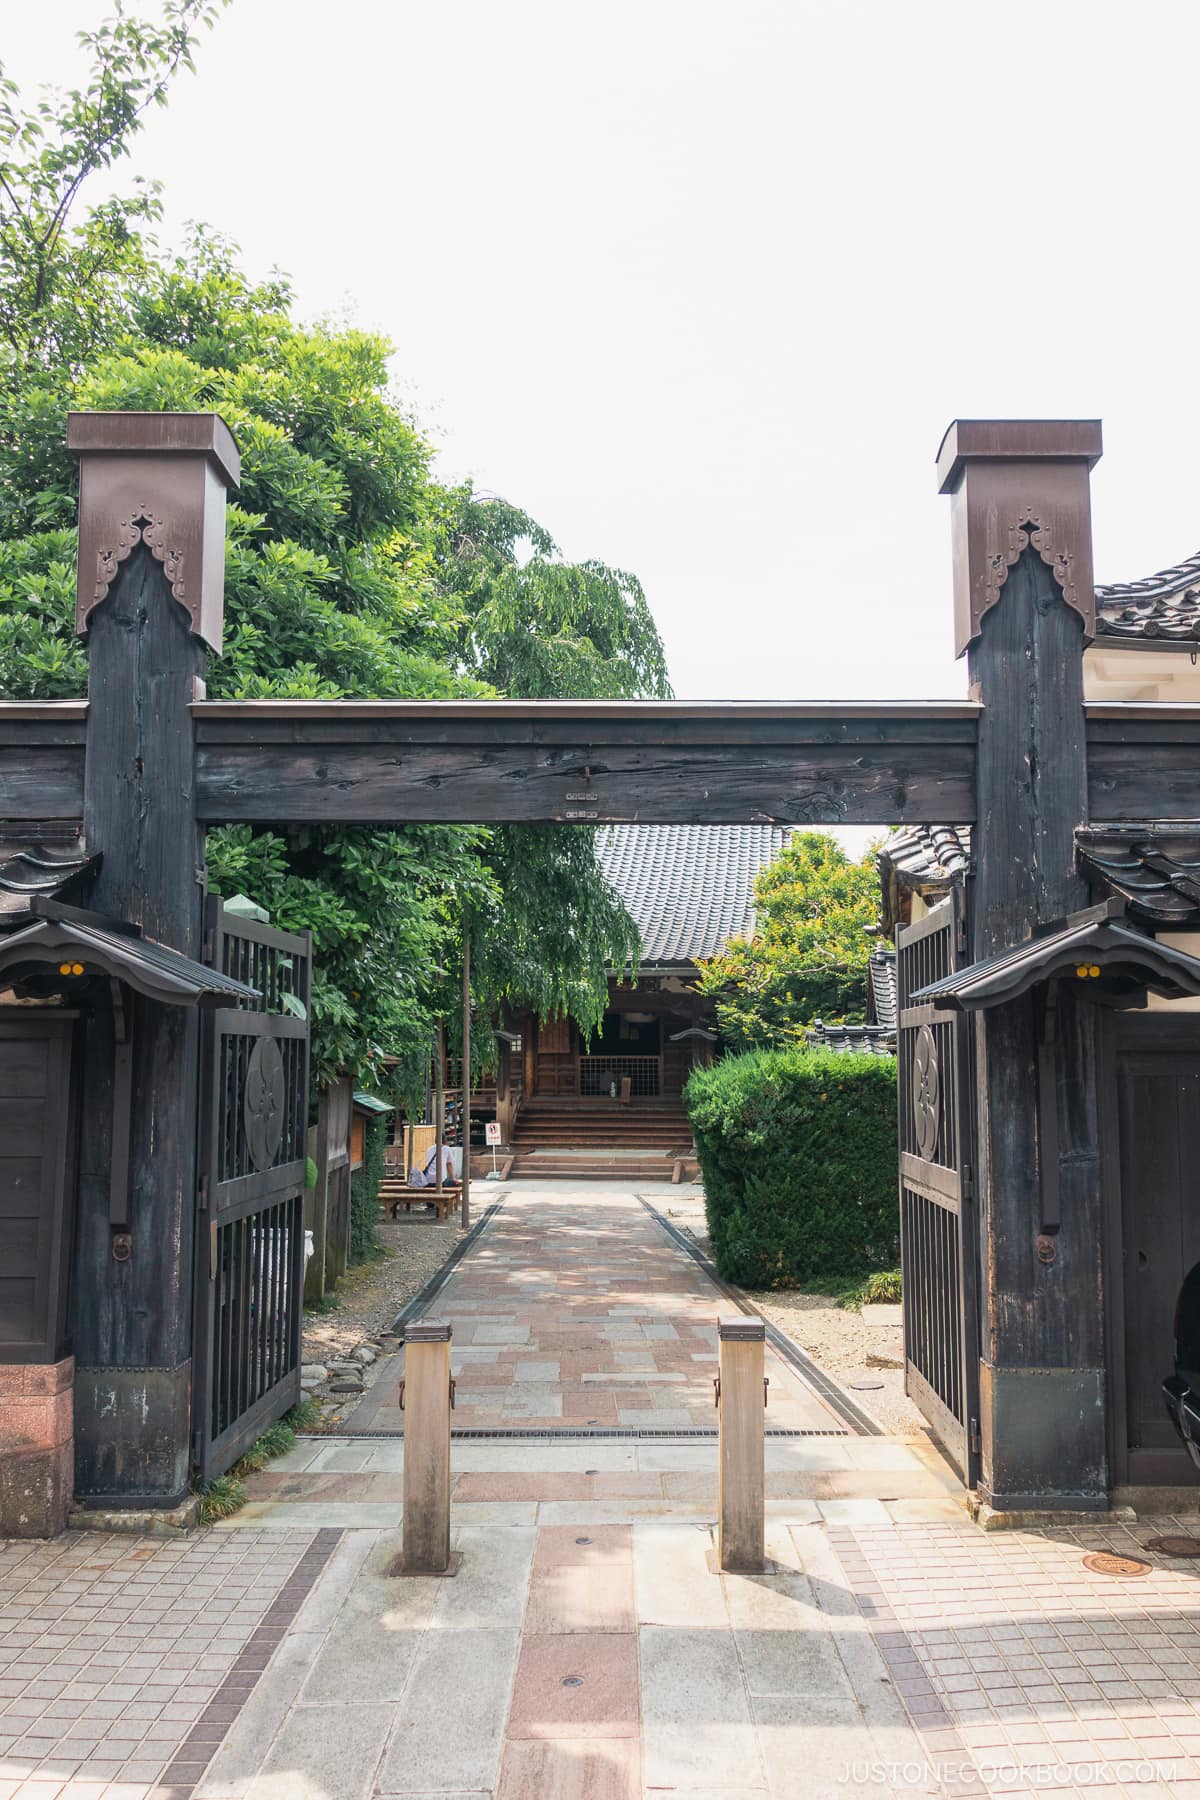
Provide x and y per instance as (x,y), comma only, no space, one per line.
(884,1288)
(364,1192)
(798,1153)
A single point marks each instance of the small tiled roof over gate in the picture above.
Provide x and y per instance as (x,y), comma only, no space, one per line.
(689,888)
(1163,607)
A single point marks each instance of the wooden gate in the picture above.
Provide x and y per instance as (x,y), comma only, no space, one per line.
(250,1239)
(937,1211)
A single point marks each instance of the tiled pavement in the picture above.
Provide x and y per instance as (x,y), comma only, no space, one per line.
(1026,1671)
(584,1650)
(600,1662)
(580,1311)
(123,1660)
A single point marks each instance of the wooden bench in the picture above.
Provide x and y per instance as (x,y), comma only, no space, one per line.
(394,1195)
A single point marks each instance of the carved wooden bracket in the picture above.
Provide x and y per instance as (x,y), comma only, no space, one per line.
(157,479)
(1018,484)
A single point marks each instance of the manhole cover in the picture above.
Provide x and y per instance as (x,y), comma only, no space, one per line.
(1175,1546)
(571,1681)
(1103,1562)
(864,1387)
(583,1540)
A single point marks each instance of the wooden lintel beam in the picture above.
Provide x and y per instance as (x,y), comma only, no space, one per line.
(571,762)
(1143,761)
(41,759)
(582,784)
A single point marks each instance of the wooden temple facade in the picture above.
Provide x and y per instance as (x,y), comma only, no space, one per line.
(153,1051)
(611,1104)
(689,890)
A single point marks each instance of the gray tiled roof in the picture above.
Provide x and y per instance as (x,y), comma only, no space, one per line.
(883,1003)
(689,888)
(41,867)
(1155,865)
(860,1040)
(1166,605)
(926,852)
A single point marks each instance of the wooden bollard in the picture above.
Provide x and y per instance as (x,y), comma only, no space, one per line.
(426,1399)
(741,1398)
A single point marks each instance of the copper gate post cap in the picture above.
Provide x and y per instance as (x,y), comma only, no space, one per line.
(156,434)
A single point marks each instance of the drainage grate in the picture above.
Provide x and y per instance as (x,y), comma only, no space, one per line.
(547,1434)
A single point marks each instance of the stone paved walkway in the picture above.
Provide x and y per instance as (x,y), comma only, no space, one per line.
(584,1650)
(581,1311)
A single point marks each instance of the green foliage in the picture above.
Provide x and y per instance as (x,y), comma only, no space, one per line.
(304,1416)
(310,1172)
(537,626)
(364,1192)
(797,1149)
(324,1303)
(227,1493)
(62,286)
(349,571)
(221,1498)
(808,957)
(884,1287)
(275,1441)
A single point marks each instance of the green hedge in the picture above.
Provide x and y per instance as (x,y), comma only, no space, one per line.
(798,1153)
(364,1192)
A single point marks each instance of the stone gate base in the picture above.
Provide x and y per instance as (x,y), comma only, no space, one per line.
(37,1447)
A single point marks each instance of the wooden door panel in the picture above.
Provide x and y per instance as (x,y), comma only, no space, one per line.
(1159,1102)
(36,1180)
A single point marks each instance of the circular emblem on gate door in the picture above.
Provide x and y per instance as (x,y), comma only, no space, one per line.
(926,1091)
(263,1108)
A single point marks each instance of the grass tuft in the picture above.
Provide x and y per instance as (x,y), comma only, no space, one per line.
(304,1416)
(227,1494)
(221,1498)
(880,1289)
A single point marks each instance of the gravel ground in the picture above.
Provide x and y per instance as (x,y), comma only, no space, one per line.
(842,1342)
(371,1294)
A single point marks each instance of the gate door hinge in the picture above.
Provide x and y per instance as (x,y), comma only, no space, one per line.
(203,1193)
(968,1182)
(976,1445)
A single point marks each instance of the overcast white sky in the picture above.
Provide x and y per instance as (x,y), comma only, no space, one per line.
(701,285)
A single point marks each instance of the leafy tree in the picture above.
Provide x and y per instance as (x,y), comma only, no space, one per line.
(350,571)
(808,957)
(61,285)
(537,626)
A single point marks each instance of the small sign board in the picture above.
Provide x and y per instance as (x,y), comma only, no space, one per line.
(492,1131)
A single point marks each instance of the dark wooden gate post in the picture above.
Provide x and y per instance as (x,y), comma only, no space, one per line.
(1024,609)
(151,574)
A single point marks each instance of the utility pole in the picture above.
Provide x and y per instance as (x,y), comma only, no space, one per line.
(439,1102)
(466,1070)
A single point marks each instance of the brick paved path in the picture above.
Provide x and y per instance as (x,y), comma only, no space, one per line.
(583,1312)
(584,1650)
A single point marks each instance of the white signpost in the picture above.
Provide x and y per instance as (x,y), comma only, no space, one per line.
(491,1132)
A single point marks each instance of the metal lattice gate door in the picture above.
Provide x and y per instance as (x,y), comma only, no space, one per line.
(250,1236)
(938,1235)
